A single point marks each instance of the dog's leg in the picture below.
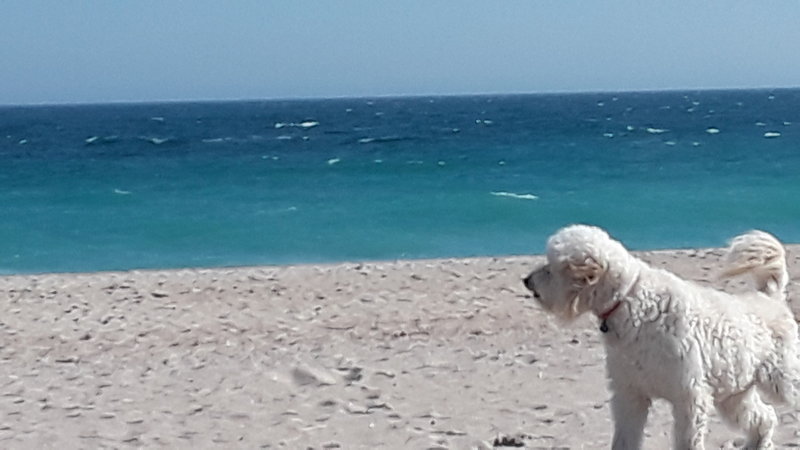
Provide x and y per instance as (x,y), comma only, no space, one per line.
(629,410)
(753,416)
(691,422)
(779,381)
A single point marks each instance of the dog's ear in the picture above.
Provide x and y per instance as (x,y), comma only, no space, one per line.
(585,272)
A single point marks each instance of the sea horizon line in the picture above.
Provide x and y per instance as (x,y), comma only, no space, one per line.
(210,100)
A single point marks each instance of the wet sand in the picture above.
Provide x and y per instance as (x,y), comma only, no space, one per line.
(403,355)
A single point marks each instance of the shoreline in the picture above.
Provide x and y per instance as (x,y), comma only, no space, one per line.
(354,262)
(433,353)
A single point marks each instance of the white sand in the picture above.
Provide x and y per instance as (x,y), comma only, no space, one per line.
(403,355)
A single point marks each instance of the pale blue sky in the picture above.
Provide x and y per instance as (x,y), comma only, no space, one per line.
(57,51)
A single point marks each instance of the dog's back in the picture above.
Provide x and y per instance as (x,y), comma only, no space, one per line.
(761,256)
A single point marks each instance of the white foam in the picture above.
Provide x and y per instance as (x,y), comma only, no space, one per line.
(366,140)
(772,134)
(121,192)
(157,119)
(630,128)
(23,141)
(712,130)
(608,135)
(283,137)
(760,124)
(305,124)
(95,140)
(514,195)
(656,130)
(333,161)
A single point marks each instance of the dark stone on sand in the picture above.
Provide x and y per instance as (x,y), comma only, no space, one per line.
(517,440)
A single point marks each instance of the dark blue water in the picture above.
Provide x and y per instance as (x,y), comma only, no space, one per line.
(101,187)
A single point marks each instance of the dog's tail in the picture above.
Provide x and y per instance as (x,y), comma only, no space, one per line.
(761,256)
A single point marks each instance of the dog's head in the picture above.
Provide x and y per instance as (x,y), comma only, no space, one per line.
(584,266)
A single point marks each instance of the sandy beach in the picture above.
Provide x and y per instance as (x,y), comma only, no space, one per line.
(404,355)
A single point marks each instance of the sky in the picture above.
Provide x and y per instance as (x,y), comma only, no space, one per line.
(94,51)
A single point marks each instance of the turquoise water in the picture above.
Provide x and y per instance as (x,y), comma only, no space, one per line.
(106,187)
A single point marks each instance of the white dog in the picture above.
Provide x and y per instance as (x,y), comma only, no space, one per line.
(669,338)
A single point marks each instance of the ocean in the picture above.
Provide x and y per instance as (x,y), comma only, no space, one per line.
(168,185)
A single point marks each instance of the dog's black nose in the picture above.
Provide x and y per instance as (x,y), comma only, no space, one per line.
(527,281)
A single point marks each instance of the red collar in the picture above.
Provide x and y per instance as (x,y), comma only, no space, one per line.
(604,316)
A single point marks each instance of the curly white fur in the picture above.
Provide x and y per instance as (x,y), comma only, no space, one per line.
(697,347)
(763,257)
